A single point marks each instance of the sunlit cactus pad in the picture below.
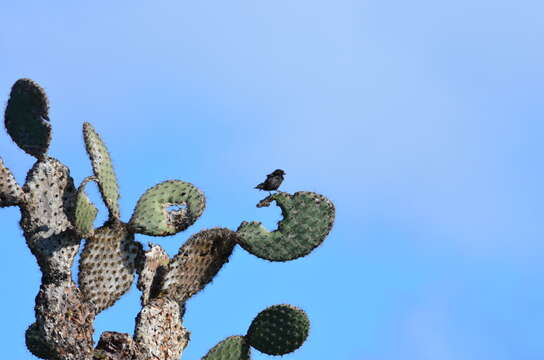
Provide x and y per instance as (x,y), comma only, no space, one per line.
(278,330)
(103,168)
(232,348)
(10,192)
(152,215)
(26,117)
(85,211)
(307,219)
(197,262)
(107,264)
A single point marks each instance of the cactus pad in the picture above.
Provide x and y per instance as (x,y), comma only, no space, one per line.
(232,348)
(197,262)
(278,330)
(26,117)
(151,215)
(107,264)
(307,219)
(10,192)
(49,199)
(102,168)
(85,211)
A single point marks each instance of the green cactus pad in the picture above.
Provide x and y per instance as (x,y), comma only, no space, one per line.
(232,348)
(85,211)
(151,215)
(307,220)
(197,262)
(278,330)
(107,264)
(10,192)
(102,168)
(26,117)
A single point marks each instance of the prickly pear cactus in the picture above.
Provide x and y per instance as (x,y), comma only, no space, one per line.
(85,211)
(27,121)
(307,220)
(107,264)
(279,330)
(151,216)
(103,169)
(197,262)
(57,217)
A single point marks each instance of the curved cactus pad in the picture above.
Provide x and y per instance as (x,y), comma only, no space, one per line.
(107,264)
(102,168)
(26,117)
(278,330)
(85,211)
(307,220)
(197,262)
(152,216)
(232,348)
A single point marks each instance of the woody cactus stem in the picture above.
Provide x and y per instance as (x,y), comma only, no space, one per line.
(55,216)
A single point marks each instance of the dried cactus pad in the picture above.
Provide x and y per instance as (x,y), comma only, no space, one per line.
(107,264)
(307,220)
(85,211)
(154,265)
(197,262)
(26,117)
(152,216)
(278,330)
(10,192)
(102,168)
(232,348)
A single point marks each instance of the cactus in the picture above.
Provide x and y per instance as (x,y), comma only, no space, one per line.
(56,216)
(307,220)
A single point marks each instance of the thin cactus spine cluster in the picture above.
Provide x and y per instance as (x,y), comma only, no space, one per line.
(56,216)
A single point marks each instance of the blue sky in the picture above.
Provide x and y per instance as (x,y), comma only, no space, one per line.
(421,120)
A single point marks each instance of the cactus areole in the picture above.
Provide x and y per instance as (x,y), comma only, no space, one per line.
(57,218)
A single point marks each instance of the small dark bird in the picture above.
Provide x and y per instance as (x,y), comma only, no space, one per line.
(273,181)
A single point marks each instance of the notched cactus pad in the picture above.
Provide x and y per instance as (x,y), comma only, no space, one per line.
(85,211)
(307,220)
(10,192)
(197,262)
(232,348)
(107,264)
(152,215)
(26,117)
(103,169)
(278,330)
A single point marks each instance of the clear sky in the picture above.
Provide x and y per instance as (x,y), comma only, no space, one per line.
(422,120)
